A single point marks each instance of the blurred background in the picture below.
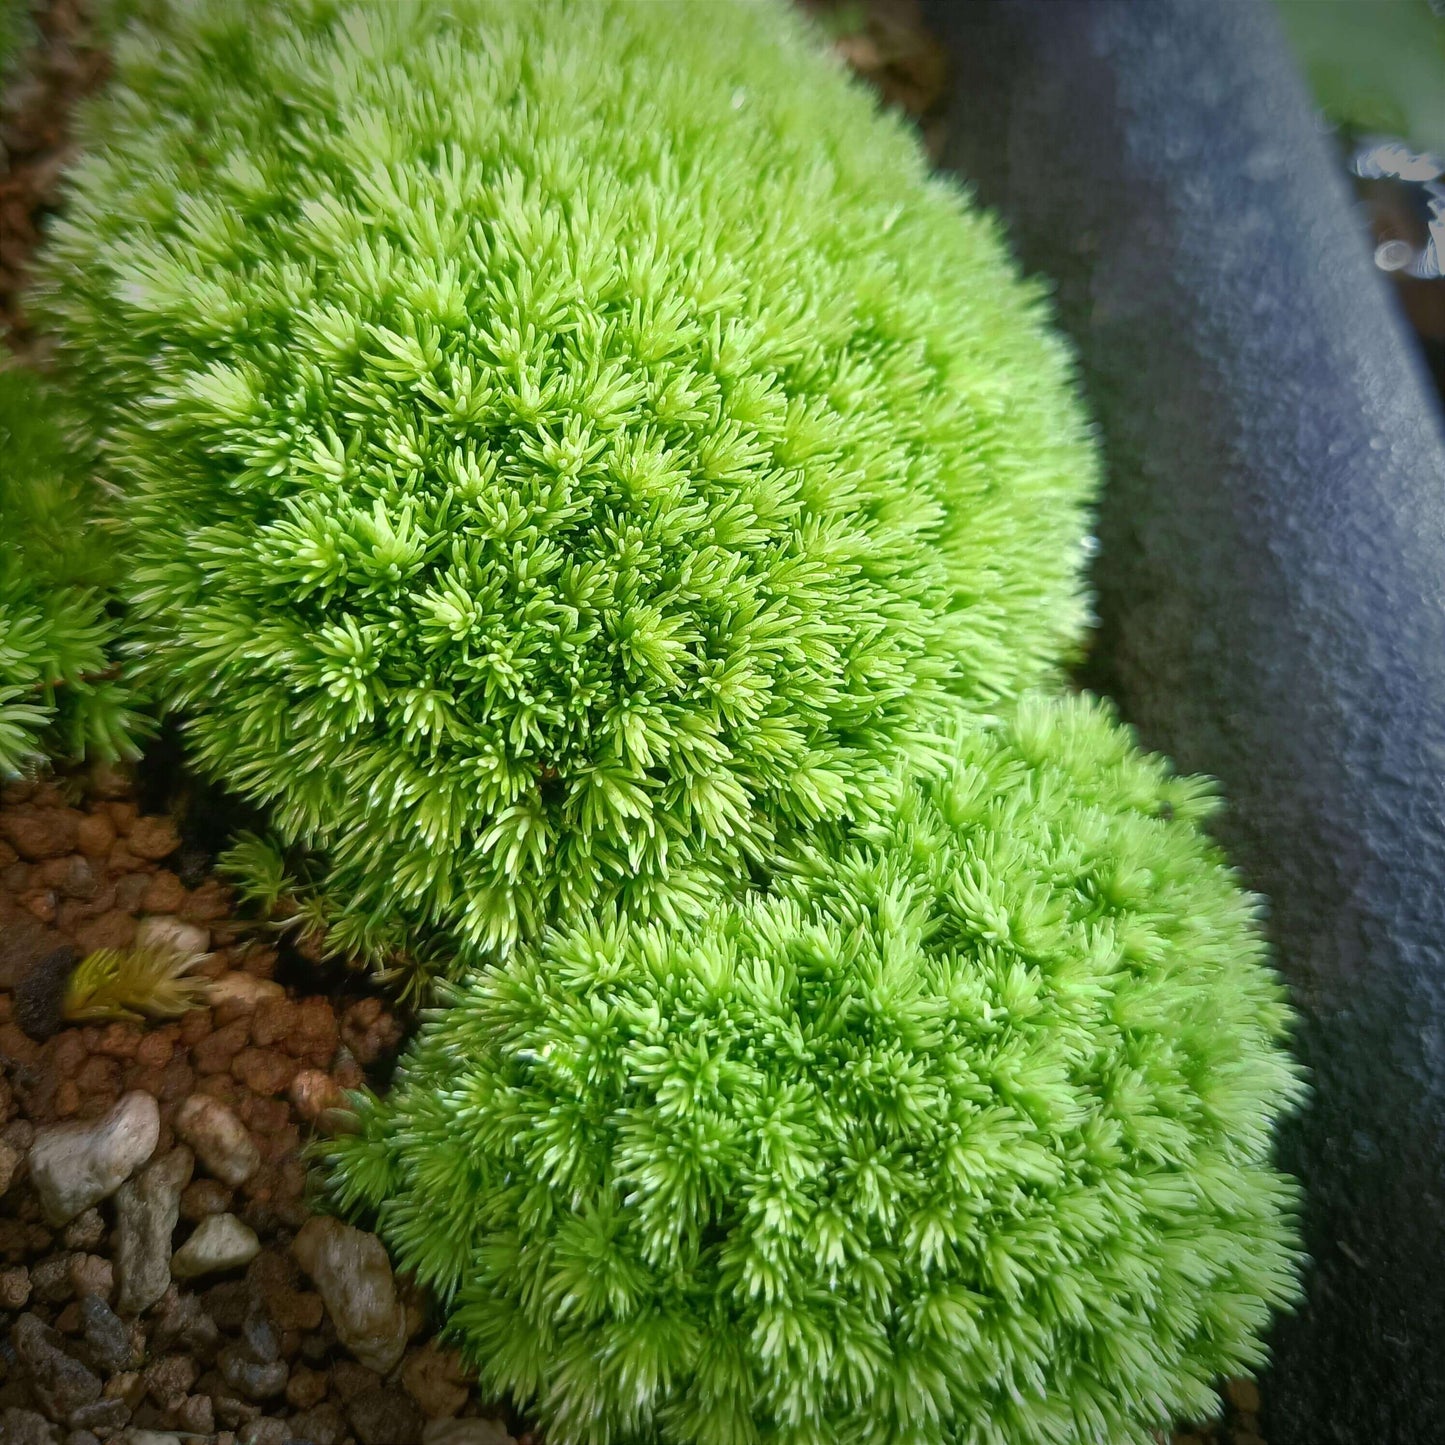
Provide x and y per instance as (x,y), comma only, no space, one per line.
(1376,72)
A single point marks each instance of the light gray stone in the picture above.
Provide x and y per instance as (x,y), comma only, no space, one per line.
(77,1165)
(219,1242)
(164,932)
(351,1270)
(219,1138)
(244,989)
(146,1210)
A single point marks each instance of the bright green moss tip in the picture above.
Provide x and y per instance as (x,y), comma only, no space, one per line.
(958,1133)
(562,443)
(59,693)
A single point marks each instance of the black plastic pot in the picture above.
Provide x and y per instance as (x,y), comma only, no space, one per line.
(1271,587)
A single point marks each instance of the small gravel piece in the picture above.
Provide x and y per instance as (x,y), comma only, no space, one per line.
(103,1416)
(77,1165)
(10,1158)
(313,1091)
(305,1388)
(184,1324)
(203,1198)
(385,1417)
(220,1242)
(252,1379)
(146,1214)
(14,1288)
(353,1273)
(61,1383)
(264,1431)
(39,997)
(433,1378)
(86,1231)
(108,1340)
(219,1138)
(321,1425)
(25,1427)
(196,1414)
(91,1276)
(153,838)
(50,1280)
(243,990)
(162,931)
(38,833)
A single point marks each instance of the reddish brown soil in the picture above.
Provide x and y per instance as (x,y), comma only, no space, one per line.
(35,145)
(89,874)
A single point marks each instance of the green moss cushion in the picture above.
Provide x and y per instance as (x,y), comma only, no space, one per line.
(958,1133)
(561,442)
(59,693)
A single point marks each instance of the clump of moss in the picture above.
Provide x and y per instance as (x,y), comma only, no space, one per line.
(561,444)
(588,479)
(959,1132)
(59,688)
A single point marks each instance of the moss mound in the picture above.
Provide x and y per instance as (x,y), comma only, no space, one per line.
(561,444)
(959,1133)
(59,693)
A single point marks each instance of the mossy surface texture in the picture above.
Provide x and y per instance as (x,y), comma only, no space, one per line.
(959,1134)
(58,690)
(582,472)
(563,444)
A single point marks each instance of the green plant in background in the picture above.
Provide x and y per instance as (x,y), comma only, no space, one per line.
(1374,65)
(58,688)
(562,444)
(958,1133)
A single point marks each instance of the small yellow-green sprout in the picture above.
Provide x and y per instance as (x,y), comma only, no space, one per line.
(133,984)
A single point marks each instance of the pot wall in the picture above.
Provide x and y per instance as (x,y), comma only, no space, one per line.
(1271,589)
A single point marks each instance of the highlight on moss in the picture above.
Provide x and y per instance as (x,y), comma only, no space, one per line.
(562,443)
(59,688)
(960,1132)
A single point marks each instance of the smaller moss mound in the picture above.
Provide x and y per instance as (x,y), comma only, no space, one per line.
(59,692)
(960,1133)
(561,443)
